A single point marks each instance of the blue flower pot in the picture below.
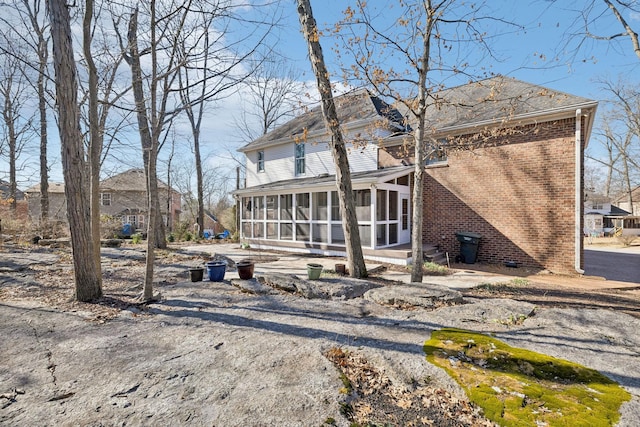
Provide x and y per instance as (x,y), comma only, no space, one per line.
(216,270)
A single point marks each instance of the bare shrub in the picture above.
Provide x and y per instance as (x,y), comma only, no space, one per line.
(626,239)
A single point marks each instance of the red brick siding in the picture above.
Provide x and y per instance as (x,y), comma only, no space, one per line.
(519,195)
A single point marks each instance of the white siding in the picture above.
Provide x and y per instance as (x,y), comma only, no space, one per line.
(279,160)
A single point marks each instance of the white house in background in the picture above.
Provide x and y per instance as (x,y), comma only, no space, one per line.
(601,218)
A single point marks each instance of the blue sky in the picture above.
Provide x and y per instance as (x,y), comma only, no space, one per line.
(546,27)
(527,54)
(549,50)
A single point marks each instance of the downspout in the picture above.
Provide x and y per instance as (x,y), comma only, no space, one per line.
(578,194)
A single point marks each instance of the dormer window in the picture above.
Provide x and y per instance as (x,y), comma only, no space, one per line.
(260,161)
(299,159)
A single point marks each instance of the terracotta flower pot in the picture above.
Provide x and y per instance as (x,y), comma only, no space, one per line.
(341,269)
(245,269)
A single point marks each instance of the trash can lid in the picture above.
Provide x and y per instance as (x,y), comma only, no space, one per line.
(468,234)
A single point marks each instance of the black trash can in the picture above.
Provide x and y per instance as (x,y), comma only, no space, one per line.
(468,246)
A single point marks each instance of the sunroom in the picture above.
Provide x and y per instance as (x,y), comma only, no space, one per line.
(304,214)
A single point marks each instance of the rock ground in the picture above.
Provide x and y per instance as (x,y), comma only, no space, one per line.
(245,354)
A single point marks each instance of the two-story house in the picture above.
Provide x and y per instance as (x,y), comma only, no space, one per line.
(601,217)
(122,196)
(506,163)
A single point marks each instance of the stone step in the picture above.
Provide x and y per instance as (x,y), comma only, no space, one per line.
(436,257)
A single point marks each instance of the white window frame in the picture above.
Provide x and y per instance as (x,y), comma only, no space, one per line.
(260,162)
(299,158)
(105,199)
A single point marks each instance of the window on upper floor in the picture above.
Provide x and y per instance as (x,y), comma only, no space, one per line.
(105,199)
(597,206)
(260,161)
(299,158)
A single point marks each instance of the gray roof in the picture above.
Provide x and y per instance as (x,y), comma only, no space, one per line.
(493,100)
(366,177)
(54,187)
(617,211)
(130,180)
(497,99)
(353,106)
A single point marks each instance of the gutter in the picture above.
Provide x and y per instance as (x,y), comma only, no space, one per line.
(578,194)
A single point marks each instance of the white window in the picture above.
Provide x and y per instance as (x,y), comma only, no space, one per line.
(260,161)
(105,199)
(299,155)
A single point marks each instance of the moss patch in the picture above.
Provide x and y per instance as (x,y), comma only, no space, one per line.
(518,387)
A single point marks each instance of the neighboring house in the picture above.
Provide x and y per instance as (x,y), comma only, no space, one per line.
(125,196)
(57,202)
(506,163)
(122,196)
(634,206)
(601,218)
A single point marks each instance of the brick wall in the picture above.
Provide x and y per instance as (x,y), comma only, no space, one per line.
(518,194)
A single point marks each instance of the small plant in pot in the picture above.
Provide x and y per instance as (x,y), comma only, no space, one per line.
(245,269)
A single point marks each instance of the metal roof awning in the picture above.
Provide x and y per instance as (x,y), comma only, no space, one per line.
(358,179)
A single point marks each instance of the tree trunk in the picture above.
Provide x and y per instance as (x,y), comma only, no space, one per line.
(86,278)
(199,179)
(43,59)
(147,293)
(147,150)
(355,257)
(13,187)
(44,170)
(9,118)
(95,139)
(417,214)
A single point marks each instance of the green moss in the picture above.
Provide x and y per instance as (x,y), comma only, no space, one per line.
(517,387)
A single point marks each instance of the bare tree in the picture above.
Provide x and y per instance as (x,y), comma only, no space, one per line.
(95,135)
(596,21)
(355,258)
(430,43)
(216,69)
(148,139)
(274,95)
(620,137)
(88,286)
(16,117)
(32,33)
(101,94)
